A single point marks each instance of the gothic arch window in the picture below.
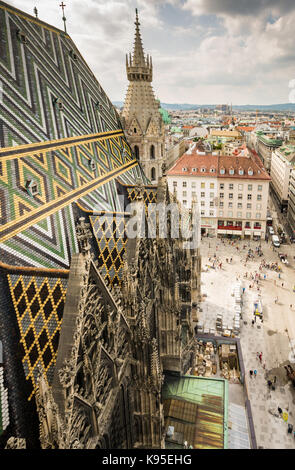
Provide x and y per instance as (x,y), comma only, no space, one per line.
(153,174)
(135,130)
(152,152)
(136,151)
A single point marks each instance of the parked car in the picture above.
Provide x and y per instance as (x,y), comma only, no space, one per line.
(271,230)
(275,241)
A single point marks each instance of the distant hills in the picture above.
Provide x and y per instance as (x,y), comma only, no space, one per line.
(246,107)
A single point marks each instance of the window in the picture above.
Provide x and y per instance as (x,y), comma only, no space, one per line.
(221,204)
(240,187)
(249,187)
(249,205)
(184,169)
(230,204)
(194,170)
(175,184)
(211,204)
(212,170)
(231,186)
(202,194)
(202,212)
(202,185)
(211,194)
(134,130)
(239,214)
(184,184)
(136,151)
(248,215)
(249,197)
(152,152)
(221,186)
(259,197)
(240,196)
(221,213)
(258,215)
(221,195)
(240,205)
(241,171)
(194,184)
(222,171)
(153,174)
(203,170)
(230,196)
(184,193)
(258,206)
(194,194)
(250,171)
(32,187)
(230,214)
(231,171)
(211,213)
(257,225)
(202,203)
(259,188)
(247,224)
(211,185)
(184,202)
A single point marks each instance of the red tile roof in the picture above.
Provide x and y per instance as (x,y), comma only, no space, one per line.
(197,162)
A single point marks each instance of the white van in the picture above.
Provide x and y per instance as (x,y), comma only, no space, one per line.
(275,241)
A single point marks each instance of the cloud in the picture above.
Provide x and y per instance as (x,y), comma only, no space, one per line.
(204,51)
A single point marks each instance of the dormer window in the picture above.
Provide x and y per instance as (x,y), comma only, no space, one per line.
(92,164)
(32,187)
(58,103)
(212,170)
(231,171)
(184,169)
(250,171)
(134,130)
(73,55)
(222,171)
(22,37)
(194,169)
(203,170)
(241,171)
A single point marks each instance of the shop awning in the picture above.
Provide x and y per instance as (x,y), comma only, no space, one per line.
(257,234)
(248,232)
(222,231)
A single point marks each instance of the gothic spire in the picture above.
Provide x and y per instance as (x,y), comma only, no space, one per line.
(138,54)
(138,66)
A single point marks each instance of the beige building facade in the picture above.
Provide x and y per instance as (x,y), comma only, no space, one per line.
(232,193)
(282,164)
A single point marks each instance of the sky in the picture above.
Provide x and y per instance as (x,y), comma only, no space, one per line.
(203,51)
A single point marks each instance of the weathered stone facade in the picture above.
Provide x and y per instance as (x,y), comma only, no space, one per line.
(141,119)
(116,345)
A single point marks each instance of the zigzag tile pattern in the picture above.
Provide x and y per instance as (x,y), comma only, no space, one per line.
(45,79)
(39,229)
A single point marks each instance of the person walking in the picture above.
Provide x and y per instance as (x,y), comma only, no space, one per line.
(255,373)
(260,357)
(282,284)
(251,373)
(253,323)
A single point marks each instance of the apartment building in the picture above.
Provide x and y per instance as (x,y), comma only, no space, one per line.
(232,193)
(266,144)
(282,164)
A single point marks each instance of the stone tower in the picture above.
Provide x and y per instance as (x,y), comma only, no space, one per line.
(141,118)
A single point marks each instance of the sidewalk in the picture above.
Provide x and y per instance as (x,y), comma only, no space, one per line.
(269,337)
